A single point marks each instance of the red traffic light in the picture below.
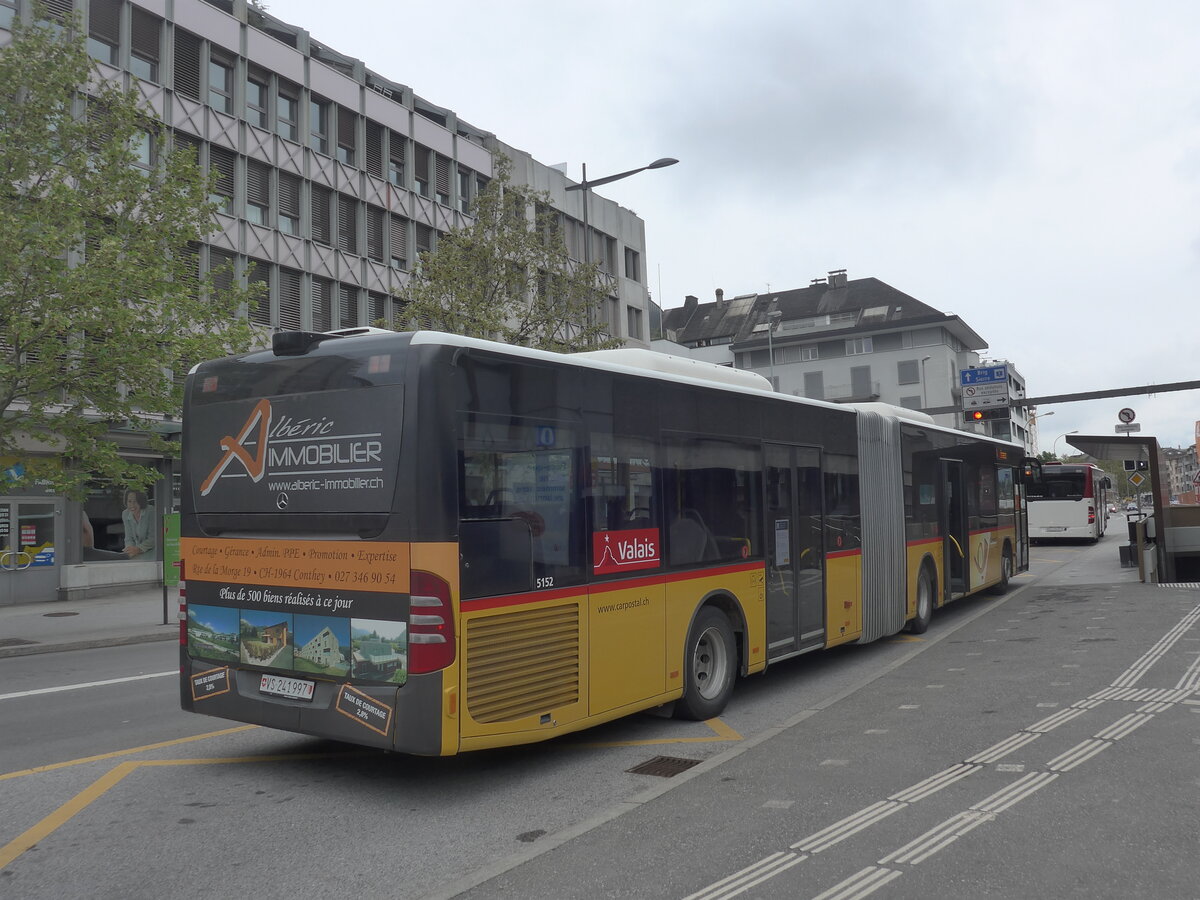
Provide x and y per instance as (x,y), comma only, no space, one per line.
(971,416)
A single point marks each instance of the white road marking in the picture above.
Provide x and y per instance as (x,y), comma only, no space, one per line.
(87,684)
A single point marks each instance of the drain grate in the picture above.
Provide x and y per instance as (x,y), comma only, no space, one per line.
(58,615)
(664,766)
(15,642)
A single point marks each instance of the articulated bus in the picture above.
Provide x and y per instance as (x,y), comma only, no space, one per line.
(1068,502)
(434,544)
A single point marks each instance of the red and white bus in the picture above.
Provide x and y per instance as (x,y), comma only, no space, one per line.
(1068,502)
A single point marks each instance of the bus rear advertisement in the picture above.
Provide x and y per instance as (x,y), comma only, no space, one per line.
(433,544)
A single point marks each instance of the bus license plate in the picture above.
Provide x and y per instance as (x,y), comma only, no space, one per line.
(293,688)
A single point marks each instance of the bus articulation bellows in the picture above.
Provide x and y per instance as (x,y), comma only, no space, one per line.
(433,544)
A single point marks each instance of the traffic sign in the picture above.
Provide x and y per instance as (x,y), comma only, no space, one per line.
(986,375)
(1126,415)
(1196,480)
(1126,429)
(1136,478)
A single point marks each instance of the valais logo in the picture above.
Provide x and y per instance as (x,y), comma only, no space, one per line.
(623,551)
(235,448)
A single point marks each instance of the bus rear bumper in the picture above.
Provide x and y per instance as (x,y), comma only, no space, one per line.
(406,719)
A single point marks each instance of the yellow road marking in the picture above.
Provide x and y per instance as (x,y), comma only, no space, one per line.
(113,777)
(905,639)
(721,731)
(118,753)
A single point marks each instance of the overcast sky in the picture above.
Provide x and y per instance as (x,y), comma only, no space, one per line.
(1029,166)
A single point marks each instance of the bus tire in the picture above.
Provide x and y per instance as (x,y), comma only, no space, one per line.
(925,602)
(709,666)
(1006,568)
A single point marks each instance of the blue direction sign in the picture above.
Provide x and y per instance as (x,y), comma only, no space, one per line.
(986,375)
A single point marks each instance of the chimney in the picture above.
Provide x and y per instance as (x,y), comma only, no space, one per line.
(837,278)
(720,298)
(690,303)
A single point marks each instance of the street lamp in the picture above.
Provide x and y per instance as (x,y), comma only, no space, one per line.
(586,186)
(1054,446)
(1033,419)
(773,318)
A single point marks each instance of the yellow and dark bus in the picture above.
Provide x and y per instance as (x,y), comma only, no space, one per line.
(432,544)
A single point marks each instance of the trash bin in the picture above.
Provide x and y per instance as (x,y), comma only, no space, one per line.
(1128,555)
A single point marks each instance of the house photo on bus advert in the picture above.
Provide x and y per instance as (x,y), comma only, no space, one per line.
(321,452)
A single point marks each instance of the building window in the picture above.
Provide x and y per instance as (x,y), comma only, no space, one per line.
(322,211)
(258,97)
(220,84)
(187,64)
(104,30)
(442,179)
(144,52)
(633,264)
(374,149)
(908,371)
(858,346)
(260,273)
(814,385)
(808,353)
(347,306)
(911,402)
(465,190)
(422,162)
(425,240)
(398,242)
(397,144)
(322,304)
(347,140)
(287,111)
(289,204)
(258,192)
(633,321)
(378,308)
(144,148)
(318,125)
(289,299)
(221,162)
(347,223)
(7,13)
(375,224)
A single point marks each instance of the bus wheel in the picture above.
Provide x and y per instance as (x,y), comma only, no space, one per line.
(709,666)
(1006,568)
(920,622)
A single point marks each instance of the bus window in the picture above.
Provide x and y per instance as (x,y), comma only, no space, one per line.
(712,491)
(842,522)
(622,483)
(522,478)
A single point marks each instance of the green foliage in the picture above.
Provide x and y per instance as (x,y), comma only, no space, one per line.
(508,277)
(101,308)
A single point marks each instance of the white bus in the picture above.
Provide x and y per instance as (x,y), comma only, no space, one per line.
(1068,502)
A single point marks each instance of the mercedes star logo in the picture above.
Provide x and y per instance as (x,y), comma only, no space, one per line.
(281,501)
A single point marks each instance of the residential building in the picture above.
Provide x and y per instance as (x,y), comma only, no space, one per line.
(332,178)
(841,340)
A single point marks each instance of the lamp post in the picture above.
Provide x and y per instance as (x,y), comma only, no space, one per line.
(773,318)
(586,186)
(1054,446)
(1033,419)
(924,394)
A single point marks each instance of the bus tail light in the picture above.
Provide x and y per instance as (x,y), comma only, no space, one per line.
(430,624)
(1091,515)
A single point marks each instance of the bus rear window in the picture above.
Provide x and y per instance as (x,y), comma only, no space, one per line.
(1056,485)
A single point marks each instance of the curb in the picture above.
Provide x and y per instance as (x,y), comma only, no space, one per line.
(34,648)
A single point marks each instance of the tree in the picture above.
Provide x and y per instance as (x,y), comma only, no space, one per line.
(102,310)
(508,276)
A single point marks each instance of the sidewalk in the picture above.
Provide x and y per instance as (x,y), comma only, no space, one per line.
(129,618)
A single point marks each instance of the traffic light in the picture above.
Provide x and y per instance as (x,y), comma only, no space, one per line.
(989,414)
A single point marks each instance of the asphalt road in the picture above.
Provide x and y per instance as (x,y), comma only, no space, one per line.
(1011,751)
